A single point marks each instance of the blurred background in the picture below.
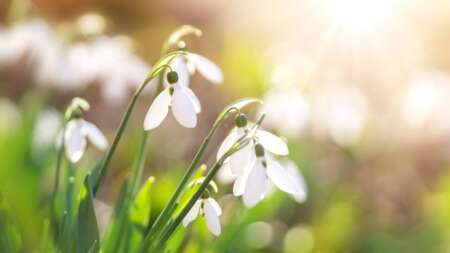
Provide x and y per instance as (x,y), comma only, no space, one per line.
(360,89)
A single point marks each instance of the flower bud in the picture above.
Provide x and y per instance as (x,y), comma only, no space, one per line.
(241,120)
(76,108)
(259,150)
(172,77)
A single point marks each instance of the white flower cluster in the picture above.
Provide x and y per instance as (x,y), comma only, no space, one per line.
(72,67)
(252,165)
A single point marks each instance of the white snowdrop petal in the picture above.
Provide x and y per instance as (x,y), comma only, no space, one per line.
(239,184)
(95,135)
(256,185)
(192,214)
(298,181)
(74,140)
(183,108)
(240,160)
(194,99)
(216,206)
(212,218)
(224,174)
(207,68)
(228,142)
(272,143)
(157,111)
(280,176)
(179,65)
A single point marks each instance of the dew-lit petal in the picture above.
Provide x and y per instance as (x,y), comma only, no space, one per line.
(207,68)
(272,143)
(240,160)
(224,174)
(193,213)
(183,108)
(158,110)
(212,218)
(256,185)
(95,135)
(74,140)
(298,180)
(280,176)
(239,184)
(216,206)
(194,99)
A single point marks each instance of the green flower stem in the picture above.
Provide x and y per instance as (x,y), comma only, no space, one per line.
(143,147)
(117,136)
(136,174)
(59,159)
(159,66)
(169,208)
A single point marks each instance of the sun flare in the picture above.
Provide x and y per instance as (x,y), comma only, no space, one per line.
(358,14)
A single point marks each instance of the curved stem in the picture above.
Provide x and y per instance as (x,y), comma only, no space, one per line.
(140,160)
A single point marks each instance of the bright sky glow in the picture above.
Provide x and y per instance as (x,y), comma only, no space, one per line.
(359,14)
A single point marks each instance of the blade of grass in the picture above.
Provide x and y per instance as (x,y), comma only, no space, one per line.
(88,238)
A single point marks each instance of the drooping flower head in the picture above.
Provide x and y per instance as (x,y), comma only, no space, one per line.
(181,99)
(78,131)
(254,165)
(177,95)
(207,207)
(189,63)
(186,65)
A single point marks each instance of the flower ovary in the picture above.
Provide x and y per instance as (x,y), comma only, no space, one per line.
(172,77)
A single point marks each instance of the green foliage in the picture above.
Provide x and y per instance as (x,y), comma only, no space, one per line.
(88,236)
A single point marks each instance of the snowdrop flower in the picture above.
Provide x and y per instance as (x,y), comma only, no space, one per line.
(187,65)
(253,183)
(185,105)
(254,165)
(208,207)
(107,60)
(117,69)
(78,130)
(47,128)
(36,40)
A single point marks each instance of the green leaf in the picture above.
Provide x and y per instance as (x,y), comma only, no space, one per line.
(46,240)
(88,233)
(115,229)
(182,31)
(10,238)
(140,214)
